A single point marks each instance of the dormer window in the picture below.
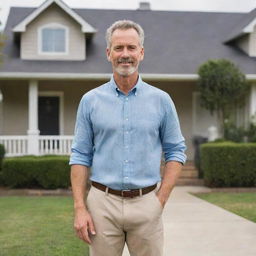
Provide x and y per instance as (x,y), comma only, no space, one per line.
(53,39)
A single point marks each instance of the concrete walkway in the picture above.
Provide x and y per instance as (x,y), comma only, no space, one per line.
(194,227)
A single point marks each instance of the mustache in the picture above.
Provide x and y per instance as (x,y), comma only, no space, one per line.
(125,60)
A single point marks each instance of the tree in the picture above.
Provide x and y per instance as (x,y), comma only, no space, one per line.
(222,87)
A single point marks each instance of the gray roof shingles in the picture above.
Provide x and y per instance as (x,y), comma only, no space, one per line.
(175,43)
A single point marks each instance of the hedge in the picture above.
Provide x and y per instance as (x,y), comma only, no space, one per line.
(229,164)
(2,153)
(47,172)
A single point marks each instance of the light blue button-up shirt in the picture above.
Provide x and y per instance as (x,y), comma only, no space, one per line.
(122,137)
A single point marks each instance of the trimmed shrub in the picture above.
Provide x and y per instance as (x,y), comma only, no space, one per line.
(251,132)
(2,153)
(47,172)
(229,164)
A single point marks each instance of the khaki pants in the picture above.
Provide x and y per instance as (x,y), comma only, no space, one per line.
(136,221)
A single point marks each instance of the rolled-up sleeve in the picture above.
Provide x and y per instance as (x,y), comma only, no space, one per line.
(82,146)
(173,143)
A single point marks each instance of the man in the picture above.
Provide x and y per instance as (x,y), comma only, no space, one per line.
(121,130)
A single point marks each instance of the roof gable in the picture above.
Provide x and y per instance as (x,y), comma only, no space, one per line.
(85,27)
(249,28)
(244,26)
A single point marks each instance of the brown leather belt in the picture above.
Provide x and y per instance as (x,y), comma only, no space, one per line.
(124,193)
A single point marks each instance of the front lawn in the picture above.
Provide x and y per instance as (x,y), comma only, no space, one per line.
(38,226)
(242,204)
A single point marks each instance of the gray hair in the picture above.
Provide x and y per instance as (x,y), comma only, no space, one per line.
(124,25)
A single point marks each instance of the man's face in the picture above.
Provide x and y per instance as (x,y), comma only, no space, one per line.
(125,52)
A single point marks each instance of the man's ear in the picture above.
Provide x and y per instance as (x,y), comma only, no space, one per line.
(108,54)
(142,54)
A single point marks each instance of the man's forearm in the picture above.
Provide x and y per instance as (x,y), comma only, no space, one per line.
(83,222)
(172,171)
(79,176)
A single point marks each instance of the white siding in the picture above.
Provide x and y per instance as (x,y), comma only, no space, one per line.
(247,43)
(53,14)
(202,118)
(15,107)
(243,44)
(252,44)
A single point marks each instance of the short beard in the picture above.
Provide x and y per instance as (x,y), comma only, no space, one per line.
(126,71)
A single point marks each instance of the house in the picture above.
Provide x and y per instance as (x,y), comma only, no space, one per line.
(54,54)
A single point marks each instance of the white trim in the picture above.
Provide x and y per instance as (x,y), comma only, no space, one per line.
(250,27)
(85,27)
(61,105)
(39,37)
(33,131)
(169,77)
(96,76)
(101,76)
(53,76)
(33,107)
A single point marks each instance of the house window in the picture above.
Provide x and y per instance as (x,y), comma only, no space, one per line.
(53,39)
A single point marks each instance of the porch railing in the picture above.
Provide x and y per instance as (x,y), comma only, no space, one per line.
(18,145)
(56,145)
(15,145)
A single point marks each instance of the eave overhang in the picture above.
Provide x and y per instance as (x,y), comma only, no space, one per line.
(85,27)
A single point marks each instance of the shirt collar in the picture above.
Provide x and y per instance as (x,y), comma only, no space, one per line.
(135,88)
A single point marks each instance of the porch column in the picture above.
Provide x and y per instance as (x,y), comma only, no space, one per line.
(252,106)
(33,132)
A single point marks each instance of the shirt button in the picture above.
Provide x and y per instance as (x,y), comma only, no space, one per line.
(126,98)
(126,161)
(126,119)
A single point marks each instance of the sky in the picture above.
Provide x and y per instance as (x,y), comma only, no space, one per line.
(182,5)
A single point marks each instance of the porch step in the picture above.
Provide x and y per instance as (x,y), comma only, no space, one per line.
(189,171)
(190,182)
(189,176)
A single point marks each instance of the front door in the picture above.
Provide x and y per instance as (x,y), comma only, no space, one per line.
(48,115)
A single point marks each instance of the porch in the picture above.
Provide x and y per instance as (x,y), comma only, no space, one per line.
(37,145)
(37,117)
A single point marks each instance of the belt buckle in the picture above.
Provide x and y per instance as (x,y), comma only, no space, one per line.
(125,190)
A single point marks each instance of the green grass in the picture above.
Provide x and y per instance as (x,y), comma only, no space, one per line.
(38,226)
(242,204)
